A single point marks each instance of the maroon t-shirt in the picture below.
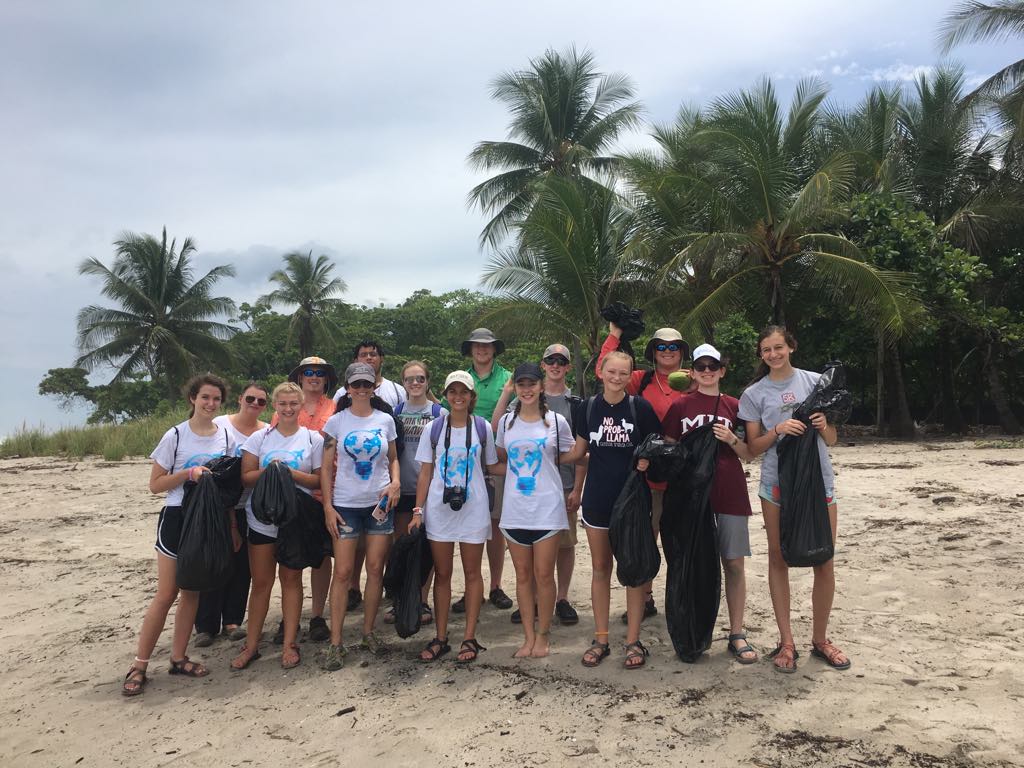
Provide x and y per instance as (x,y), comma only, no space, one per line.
(694,409)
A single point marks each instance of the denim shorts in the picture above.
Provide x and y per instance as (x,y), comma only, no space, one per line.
(773,494)
(361,520)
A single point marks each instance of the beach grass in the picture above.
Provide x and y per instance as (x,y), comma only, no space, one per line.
(111,441)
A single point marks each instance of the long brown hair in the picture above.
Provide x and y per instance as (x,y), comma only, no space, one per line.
(787,336)
(196,383)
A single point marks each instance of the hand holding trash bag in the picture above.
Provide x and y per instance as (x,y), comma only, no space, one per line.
(408,567)
(273,498)
(637,559)
(205,547)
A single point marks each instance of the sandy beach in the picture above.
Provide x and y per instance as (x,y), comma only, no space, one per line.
(929,603)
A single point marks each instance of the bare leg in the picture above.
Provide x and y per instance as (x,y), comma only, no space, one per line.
(444,554)
(377,548)
(472,556)
(344,563)
(778,572)
(357,567)
(635,597)
(735,592)
(263,568)
(495,555)
(291,608)
(184,618)
(319,584)
(824,588)
(564,565)
(600,580)
(522,561)
(156,614)
(544,555)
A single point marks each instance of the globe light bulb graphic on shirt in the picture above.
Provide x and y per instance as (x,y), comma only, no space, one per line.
(460,468)
(524,459)
(363,446)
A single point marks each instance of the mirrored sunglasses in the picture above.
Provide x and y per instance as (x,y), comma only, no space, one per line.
(318,372)
(418,379)
(667,347)
(260,401)
(556,360)
(712,366)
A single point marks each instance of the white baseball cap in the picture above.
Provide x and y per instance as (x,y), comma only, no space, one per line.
(459,377)
(706,350)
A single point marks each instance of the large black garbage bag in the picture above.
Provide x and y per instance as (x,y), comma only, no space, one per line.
(205,549)
(409,564)
(630,320)
(805,531)
(273,499)
(304,541)
(631,536)
(227,473)
(693,583)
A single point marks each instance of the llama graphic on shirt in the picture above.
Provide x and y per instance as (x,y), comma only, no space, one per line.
(524,459)
(363,446)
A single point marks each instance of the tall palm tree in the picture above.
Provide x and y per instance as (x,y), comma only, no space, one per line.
(572,259)
(308,286)
(771,207)
(995,21)
(564,115)
(163,324)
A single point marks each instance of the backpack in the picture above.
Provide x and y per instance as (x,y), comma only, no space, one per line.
(629,398)
(482,429)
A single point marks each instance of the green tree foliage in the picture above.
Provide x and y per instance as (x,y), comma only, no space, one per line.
(308,286)
(112,403)
(162,323)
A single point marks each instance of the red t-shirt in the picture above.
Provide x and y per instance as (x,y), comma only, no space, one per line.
(694,409)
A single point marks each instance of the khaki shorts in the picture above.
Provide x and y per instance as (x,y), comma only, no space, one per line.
(657,505)
(568,539)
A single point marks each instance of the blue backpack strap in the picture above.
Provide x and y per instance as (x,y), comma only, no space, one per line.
(482,429)
(399,407)
(435,410)
(435,432)
(174,458)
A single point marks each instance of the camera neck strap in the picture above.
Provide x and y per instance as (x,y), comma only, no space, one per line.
(447,445)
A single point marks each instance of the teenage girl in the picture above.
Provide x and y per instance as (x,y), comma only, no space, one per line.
(766,406)
(302,450)
(178,457)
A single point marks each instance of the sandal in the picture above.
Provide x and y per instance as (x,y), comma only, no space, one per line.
(468,651)
(187,668)
(250,657)
(426,615)
(286,659)
(134,682)
(389,616)
(745,648)
(830,654)
(435,649)
(596,653)
(784,658)
(636,655)
(334,658)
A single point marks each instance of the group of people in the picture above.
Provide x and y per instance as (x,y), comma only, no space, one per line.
(503,461)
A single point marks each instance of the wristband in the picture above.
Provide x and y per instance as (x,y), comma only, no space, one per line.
(776,430)
(417,511)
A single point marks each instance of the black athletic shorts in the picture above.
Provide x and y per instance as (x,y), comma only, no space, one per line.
(406,503)
(255,537)
(168,531)
(525,537)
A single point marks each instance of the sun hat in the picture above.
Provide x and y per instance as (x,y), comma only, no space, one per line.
(360,372)
(332,374)
(666,334)
(482,336)
(557,349)
(706,350)
(527,371)
(459,377)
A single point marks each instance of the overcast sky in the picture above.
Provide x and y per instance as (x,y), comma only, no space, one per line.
(257,128)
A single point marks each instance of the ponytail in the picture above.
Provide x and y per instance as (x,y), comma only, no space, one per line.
(515,413)
(542,404)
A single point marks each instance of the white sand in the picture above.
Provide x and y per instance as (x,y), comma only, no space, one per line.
(929,606)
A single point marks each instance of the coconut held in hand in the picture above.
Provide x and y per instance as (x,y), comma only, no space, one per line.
(679,381)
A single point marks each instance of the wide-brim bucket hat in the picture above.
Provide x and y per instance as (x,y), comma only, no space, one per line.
(332,373)
(663,335)
(482,336)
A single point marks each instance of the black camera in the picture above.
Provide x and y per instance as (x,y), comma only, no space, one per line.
(454,497)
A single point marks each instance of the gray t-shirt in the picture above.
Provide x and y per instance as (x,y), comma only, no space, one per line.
(415,419)
(562,405)
(771,403)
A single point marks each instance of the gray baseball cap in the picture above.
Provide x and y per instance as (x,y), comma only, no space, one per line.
(360,372)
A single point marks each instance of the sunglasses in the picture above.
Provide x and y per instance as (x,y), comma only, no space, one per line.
(712,366)
(667,347)
(360,384)
(556,360)
(415,379)
(260,401)
(318,372)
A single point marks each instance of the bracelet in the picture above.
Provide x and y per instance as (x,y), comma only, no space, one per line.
(417,511)
(776,430)
(734,441)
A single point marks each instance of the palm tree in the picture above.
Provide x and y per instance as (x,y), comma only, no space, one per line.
(996,21)
(769,209)
(163,325)
(564,115)
(572,259)
(309,287)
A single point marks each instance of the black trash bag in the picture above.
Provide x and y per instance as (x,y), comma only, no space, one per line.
(630,320)
(304,541)
(205,549)
(637,559)
(409,565)
(805,531)
(273,498)
(227,473)
(693,584)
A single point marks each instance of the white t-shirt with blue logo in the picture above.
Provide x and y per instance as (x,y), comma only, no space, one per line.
(362,450)
(303,451)
(192,451)
(533,498)
(472,523)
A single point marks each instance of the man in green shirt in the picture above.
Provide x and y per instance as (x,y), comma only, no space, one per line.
(489,379)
